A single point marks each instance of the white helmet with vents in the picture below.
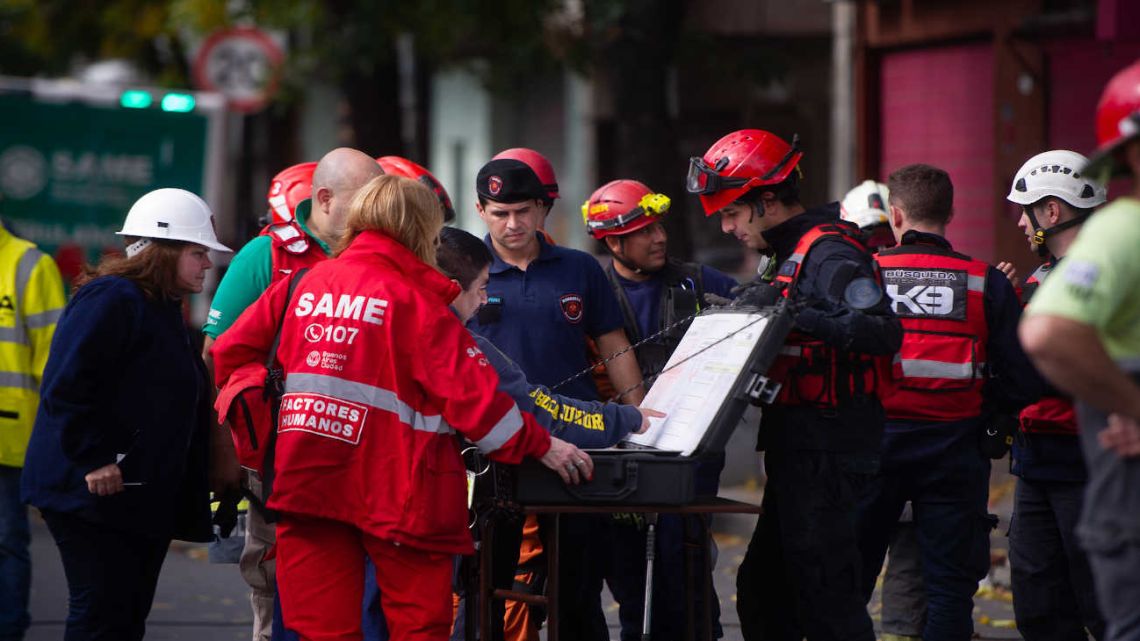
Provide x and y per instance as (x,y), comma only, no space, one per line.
(1056,173)
(865,205)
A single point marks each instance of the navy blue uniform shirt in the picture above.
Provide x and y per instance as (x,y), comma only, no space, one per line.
(545,313)
(645,296)
(1013,381)
(824,275)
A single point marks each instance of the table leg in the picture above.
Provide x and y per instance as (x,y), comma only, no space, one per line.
(486,587)
(552,581)
(705,521)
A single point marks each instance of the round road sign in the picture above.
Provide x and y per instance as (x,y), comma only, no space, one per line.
(242,63)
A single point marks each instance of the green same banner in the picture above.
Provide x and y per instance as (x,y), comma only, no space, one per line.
(70,170)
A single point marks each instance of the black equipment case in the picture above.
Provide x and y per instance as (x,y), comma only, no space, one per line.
(636,476)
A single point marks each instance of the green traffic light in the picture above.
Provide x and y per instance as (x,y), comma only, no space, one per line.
(179,102)
(135,99)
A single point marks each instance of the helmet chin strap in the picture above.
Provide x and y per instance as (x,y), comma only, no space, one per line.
(752,206)
(625,262)
(134,248)
(1041,235)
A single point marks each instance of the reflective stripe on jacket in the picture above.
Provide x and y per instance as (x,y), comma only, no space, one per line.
(938,295)
(379,376)
(31,301)
(812,372)
(1054,413)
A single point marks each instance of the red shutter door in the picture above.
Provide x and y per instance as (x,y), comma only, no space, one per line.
(1078,72)
(938,108)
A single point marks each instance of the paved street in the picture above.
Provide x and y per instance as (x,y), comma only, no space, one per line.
(200,601)
(993,608)
(196,601)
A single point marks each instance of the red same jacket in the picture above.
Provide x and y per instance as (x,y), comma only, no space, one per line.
(379,375)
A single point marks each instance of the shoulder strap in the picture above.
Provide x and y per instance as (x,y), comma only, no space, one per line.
(676,272)
(933,250)
(274,388)
(634,334)
(287,236)
(281,321)
(789,271)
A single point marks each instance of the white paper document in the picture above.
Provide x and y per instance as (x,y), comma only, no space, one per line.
(691,394)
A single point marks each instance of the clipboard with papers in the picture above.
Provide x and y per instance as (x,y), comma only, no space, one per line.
(716,371)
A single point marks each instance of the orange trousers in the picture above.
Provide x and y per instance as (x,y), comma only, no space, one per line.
(518,624)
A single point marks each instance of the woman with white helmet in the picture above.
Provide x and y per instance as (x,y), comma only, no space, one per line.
(118,455)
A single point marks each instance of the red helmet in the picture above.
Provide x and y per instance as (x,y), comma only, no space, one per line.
(1117,120)
(738,163)
(288,189)
(398,166)
(537,163)
(622,207)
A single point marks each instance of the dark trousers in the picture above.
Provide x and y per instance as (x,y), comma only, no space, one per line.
(111,577)
(582,544)
(674,608)
(948,490)
(15,559)
(904,591)
(1053,594)
(1110,527)
(1118,589)
(801,574)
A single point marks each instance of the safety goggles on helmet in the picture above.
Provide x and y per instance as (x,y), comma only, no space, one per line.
(704,180)
(650,205)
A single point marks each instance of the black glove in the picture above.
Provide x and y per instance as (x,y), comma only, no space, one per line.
(717,301)
(227,513)
(757,293)
(997,435)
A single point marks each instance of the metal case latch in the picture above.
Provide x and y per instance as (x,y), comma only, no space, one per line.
(762,389)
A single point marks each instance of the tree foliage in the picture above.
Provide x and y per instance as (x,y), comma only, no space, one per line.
(631,48)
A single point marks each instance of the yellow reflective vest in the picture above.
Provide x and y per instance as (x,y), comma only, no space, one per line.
(31,301)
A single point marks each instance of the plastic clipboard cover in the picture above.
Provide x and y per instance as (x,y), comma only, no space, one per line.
(645,476)
(764,353)
(717,370)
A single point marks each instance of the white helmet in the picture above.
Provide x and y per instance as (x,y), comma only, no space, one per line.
(865,205)
(171,214)
(1056,173)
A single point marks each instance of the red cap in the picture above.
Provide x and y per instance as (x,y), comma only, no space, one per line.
(538,164)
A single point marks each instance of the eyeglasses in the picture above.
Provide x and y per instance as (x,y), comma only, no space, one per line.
(651,205)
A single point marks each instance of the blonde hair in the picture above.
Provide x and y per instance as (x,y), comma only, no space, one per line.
(402,208)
